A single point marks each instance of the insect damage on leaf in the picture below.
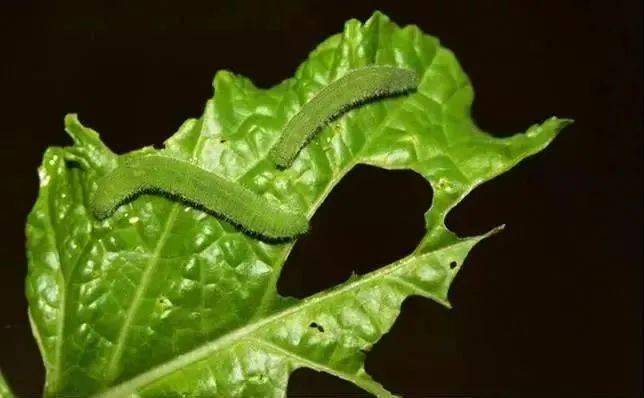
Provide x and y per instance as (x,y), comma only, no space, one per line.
(198,187)
(162,299)
(356,86)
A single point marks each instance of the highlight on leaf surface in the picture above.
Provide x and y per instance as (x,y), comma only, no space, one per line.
(5,391)
(356,86)
(198,187)
(163,300)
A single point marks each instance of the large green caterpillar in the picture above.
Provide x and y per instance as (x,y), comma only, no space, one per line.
(356,86)
(198,187)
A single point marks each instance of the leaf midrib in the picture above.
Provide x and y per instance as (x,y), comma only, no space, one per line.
(65,276)
(113,365)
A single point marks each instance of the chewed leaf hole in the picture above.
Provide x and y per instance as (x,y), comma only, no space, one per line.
(306,382)
(453,264)
(317,326)
(73,164)
(372,218)
(400,359)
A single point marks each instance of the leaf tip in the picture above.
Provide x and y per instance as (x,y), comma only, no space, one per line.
(71,120)
(79,133)
(536,138)
(495,230)
(379,16)
(560,123)
(222,77)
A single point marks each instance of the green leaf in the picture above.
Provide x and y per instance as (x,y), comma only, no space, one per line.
(164,300)
(5,391)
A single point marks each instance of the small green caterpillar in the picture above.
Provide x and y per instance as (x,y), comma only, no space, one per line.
(198,187)
(356,86)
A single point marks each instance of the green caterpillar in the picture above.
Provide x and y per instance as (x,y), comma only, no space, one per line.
(198,187)
(355,87)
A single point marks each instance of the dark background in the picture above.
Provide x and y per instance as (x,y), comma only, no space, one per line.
(550,307)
